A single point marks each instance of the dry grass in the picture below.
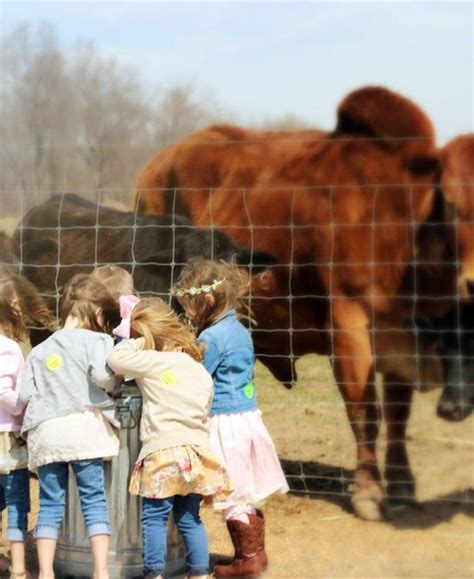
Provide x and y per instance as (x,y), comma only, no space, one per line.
(314,534)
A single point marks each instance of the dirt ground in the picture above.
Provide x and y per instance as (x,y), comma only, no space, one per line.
(312,532)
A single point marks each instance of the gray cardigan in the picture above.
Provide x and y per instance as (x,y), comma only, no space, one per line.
(65,374)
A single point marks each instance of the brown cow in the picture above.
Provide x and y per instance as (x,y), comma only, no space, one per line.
(358,229)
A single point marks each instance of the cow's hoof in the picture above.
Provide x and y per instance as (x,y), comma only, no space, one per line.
(367,504)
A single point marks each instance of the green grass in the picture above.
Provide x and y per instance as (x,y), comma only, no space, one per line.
(315,383)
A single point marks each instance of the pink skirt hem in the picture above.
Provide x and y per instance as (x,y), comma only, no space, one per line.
(245,448)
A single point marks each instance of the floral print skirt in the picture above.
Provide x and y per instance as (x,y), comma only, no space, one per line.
(181,470)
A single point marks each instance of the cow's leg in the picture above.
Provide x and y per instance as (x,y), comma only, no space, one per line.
(397,405)
(355,375)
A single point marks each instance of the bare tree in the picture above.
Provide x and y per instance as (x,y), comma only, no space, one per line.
(76,120)
(182,111)
(35,111)
(114,119)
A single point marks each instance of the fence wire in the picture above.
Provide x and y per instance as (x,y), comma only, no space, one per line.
(85,246)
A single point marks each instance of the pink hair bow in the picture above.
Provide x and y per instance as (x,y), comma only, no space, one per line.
(127,303)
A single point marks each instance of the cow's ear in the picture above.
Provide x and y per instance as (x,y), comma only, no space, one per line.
(258,260)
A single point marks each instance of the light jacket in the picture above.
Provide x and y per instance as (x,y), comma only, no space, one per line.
(229,358)
(11,370)
(176,390)
(65,374)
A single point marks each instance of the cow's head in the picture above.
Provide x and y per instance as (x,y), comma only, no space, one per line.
(214,244)
(457,400)
(457,184)
(189,243)
(457,350)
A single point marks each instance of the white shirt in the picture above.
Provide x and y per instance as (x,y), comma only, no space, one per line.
(79,436)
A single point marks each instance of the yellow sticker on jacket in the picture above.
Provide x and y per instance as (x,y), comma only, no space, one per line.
(168,378)
(54,362)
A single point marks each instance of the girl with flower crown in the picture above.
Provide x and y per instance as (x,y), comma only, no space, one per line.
(211,294)
(176,468)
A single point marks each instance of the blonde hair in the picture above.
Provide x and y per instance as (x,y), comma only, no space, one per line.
(162,329)
(88,299)
(117,279)
(21,306)
(224,281)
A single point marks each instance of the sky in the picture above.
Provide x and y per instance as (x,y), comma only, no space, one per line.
(265,60)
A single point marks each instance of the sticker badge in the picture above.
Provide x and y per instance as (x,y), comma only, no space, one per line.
(249,390)
(168,378)
(54,362)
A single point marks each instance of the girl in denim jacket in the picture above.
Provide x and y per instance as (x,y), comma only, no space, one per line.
(211,294)
(20,307)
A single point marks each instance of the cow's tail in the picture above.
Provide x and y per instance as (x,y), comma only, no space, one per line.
(156,184)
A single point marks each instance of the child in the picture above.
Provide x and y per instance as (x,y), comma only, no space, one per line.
(20,306)
(120,284)
(175,468)
(210,292)
(63,386)
(116,279)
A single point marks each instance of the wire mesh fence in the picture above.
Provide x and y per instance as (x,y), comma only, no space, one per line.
(372,290)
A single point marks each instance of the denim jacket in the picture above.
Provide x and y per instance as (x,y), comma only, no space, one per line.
(229,358)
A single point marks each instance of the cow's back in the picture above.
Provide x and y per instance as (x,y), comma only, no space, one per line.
(344,201)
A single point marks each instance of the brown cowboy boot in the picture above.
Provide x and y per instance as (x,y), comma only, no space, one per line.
(235,543)
(251,559)
(260,524)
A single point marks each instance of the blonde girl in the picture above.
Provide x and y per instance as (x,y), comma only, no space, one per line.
(64,387)
(175,468)
(211,294)
(20,307)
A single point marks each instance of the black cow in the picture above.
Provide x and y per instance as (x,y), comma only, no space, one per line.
(68,234)
(457,350)
(8,250)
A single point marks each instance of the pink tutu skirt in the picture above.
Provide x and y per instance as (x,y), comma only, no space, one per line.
(244,447)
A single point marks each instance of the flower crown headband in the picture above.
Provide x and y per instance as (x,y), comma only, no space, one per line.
(195,291)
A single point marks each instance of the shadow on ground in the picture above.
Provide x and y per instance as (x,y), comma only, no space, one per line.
(333,484)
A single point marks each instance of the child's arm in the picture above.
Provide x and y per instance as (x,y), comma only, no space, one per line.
(130,359)
(99,372)
(9,374)
(27,383)
(212,355)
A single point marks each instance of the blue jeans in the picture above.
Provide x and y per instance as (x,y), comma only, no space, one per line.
(155,533)
(53,480)
(15,494)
